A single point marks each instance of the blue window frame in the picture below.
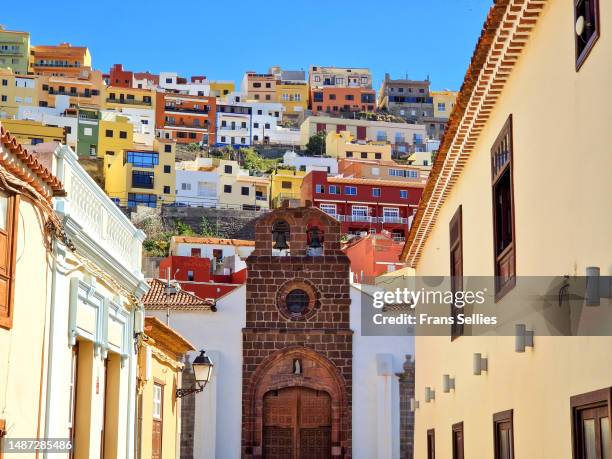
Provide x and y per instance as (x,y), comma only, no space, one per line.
(142,158)
(142,179)
(142,199)
(320,188)
(350,190)
(334,189)
(376,192)
(404,194)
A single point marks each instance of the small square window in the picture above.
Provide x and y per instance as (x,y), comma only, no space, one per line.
(167,169)
(168,148)
(227,169)
(376,192)
(404,194)
(227,188)
(109,133)
(244,191)
(166,189)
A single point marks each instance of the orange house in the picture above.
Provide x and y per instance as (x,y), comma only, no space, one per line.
(342,100)
(186,118)
(61,60)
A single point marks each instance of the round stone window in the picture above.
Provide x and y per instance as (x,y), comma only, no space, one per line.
(297,301)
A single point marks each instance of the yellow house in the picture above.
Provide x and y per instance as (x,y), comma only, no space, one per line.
(141,175)
(294,97)
(343,145)
(115,133)
(117,98)
(15,91)
(285,185)
(25,297)
(83,88)
(239,190)
(15,51)
(519,195)
(220,88)
(30,132)
(160,365)
(443,103)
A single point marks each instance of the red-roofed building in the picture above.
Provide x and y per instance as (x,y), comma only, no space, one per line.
(373,255)
(364,205)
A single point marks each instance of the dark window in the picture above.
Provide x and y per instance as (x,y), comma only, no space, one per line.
(142,158)
(431,444)
(166,189)
(349,154)
(227,169)
(244,191)
(364,155)
(456,267)
(503,435)
(196,252)
(377,155)
(168,148)
(267,125)
(586,28)
(167,169)
(297,301)
(349,97)
(142,179)
(227,188)
(317,96)
(255,125)
(503,211)
(332,97)
(109,133)
(137,199)
(458,440)
(286,185)
(591,424)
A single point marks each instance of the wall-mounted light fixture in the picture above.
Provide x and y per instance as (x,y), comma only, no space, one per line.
(202,371)
(448,383)
(430,394)
(414,405)
(480,364)
(523,338)
(597,287)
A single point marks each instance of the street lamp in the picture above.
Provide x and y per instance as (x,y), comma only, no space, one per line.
(202,370)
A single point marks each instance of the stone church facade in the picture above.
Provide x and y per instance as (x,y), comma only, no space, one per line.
(297,342)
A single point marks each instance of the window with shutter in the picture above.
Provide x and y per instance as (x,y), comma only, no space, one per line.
(9,206)
(591,427)
(456,267)
(458,440)
(431,444)
(503,431)
(504,247)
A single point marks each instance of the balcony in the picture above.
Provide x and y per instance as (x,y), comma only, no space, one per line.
(360,218)
(53,92)
(261,198)
(10,52)
(56,64)
(179,109)
(129,102)
(395,220)
(233,128)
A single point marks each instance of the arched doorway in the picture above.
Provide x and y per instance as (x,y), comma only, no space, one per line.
(297,424)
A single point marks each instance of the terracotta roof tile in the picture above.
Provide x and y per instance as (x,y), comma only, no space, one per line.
(157,298)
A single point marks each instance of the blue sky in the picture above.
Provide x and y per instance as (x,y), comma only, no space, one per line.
(222,39)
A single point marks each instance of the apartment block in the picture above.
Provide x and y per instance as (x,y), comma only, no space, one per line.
(310,163)
(14,51)
(88,131)
(197,182)
(364,205)
(120,78)
(173,83)
(61,116)
(342,101)
(142,176)
(219,88)
(340,77)
(384,170)
(15,91)
(404,137)
(342,145)
(259,86)
(28,132)
(83,87)
(62,60)
(443,103)
(234,124)
(185,118)
(117,98)
(240,190)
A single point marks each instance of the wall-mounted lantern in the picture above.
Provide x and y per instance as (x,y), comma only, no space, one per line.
(202,370)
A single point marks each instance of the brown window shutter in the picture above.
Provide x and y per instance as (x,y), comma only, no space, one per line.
(8,250)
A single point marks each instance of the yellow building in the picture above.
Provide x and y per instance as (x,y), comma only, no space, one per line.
(285,185)
(443,103)
(33,132)
(16,91)
(520,195)
(239,190)
(294,97)
(115,133)
(220,89)
(160,365)
(343,145)
(60,60)
(117,98)
(141,176)
(14,51)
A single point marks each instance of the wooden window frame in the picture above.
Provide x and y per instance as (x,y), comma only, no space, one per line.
(581,57)
(499,418)
(497,173)
(161,385)
(458,427)
(595,399)
(456,244)
(12,223)
(431,441)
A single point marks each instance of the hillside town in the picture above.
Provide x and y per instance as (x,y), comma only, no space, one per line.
(192,267)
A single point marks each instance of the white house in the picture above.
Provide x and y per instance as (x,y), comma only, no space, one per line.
(171,82)
(53,116)
(197,183)
(311,163)
(143,122)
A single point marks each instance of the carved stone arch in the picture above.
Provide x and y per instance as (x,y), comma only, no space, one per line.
(276,373)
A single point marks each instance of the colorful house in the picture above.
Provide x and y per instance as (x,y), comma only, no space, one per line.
(185,118)
(85,87)
(285,186)
(62,60)
(29,132)
(158,410)
(115,133)
(343,145)
(15,51)
(142,176)
(342,101)
(240,190)
(16,91)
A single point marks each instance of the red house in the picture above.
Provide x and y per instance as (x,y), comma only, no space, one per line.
(362,204)
(372,256)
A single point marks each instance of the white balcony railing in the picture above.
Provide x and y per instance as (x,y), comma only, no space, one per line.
(389,219)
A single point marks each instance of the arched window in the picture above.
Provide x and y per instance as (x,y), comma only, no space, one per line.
(281,236)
